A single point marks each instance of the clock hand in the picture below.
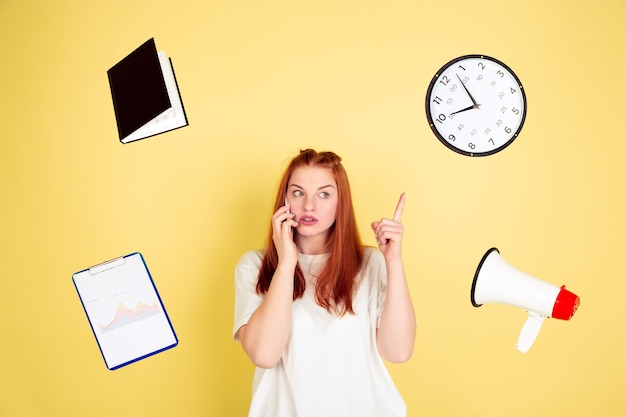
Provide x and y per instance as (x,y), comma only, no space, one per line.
(467,91)
(474,106)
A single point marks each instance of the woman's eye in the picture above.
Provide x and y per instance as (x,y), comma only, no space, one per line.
(297,193)
(324,195)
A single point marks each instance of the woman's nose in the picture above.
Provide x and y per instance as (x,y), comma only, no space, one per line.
(309,203)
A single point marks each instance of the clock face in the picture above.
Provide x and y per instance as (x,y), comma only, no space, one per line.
(476,105)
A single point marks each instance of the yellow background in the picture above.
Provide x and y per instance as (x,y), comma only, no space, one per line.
(259,81)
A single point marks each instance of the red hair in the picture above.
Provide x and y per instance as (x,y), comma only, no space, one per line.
(337,281)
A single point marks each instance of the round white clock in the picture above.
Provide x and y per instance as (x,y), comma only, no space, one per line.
(476,105)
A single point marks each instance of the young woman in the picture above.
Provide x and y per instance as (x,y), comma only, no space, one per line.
(316,311)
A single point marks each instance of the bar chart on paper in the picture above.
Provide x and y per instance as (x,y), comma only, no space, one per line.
(124,310)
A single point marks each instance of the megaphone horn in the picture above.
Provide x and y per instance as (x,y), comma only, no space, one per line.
(495,281)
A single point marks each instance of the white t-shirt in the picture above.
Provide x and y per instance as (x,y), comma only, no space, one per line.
(331,366)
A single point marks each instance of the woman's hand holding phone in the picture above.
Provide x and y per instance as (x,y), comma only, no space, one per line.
(282,224)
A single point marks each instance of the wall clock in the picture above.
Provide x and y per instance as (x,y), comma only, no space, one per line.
(476,105)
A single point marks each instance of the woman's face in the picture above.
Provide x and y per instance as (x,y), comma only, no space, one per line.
(312,193)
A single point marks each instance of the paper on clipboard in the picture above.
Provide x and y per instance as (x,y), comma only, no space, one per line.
(124,310)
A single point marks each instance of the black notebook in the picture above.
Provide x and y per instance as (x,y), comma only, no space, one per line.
(146,98)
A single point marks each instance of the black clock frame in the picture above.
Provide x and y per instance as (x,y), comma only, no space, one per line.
(431,121)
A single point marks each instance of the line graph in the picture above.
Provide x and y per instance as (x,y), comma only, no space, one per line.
(125,316)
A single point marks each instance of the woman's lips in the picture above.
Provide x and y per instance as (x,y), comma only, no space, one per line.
(307,220)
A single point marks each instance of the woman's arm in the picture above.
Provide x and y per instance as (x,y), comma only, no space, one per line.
(396,332)
(395,336)
(265,336)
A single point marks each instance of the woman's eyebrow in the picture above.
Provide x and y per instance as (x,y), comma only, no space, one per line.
(320,188)
(326,186)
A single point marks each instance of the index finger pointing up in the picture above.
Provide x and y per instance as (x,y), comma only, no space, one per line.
(397,216)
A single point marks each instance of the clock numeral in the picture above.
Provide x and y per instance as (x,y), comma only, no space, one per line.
(444,80)
(437,100)
(501,95)
(481,66)
(508,129)
(513,91)
(471,145)
(441,118)
(515,110)
(491,141)
(451,138)
(500,73)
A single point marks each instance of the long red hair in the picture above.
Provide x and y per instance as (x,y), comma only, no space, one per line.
(337,281)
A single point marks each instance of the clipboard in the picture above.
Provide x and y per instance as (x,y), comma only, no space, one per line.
(124,310)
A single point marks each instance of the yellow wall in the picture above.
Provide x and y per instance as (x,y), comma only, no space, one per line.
(260,80)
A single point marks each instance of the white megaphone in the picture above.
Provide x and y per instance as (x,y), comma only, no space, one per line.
(495,281)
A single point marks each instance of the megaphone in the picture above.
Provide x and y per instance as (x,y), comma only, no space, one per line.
(495,281)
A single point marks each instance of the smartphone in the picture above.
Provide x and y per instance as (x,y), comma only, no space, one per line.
(287,203)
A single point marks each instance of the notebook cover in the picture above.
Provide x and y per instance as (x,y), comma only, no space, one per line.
(138,89)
